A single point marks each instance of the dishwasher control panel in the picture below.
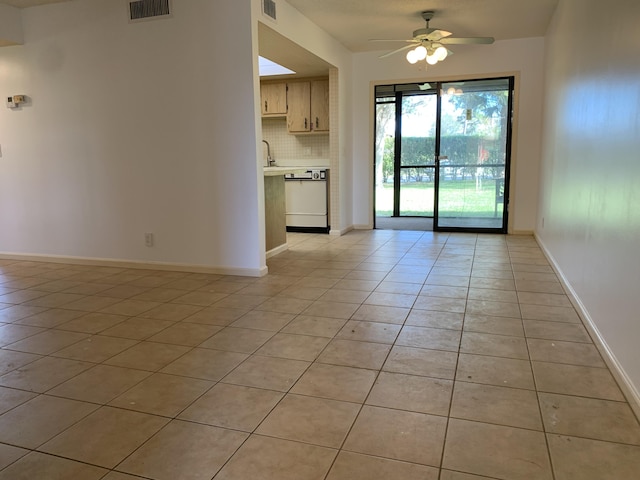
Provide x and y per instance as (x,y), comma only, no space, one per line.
(308,175)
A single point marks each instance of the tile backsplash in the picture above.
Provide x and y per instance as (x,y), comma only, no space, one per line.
(294,150)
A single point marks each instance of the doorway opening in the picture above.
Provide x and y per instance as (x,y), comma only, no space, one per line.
(442,155)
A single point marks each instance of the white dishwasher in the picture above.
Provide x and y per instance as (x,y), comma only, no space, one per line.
(307,201)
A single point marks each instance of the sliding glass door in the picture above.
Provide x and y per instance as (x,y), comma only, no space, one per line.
(442,152)
(474,141)
(405,147)
(416,169)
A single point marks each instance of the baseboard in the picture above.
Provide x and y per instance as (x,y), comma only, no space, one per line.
(522,232)
(341,232)
(164,266)
(624,382)
(279,249)
(309,229)
(363,227)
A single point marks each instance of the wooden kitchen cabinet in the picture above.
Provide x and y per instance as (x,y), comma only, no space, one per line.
(273,99)
(308,106)
(320,105)
(299,114)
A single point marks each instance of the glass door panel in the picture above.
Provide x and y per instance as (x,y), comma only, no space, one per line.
(473,155)
(384,157)
(417,191)
(417,155)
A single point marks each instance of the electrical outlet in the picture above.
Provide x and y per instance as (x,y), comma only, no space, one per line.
(307,151)
(148,239)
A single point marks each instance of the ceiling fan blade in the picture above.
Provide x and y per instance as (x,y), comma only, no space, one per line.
(389,40)
(429,34)
(437,35)
(467,41)
(406,47)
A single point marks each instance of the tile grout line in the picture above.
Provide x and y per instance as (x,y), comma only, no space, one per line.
(535,384)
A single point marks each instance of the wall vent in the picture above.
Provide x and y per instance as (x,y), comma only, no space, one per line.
(145,9)
(269,8)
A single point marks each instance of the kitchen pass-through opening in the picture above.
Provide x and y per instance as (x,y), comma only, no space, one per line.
(442,155)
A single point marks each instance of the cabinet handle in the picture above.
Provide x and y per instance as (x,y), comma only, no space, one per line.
(305,124)
(317,123)
(266,106)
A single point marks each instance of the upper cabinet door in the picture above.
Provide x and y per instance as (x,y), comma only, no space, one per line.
(320,105)
(299,114)
(273,99)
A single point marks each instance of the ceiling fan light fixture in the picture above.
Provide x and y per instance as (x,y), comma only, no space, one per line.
(412,57)
(432,41)
(432,59)
(441,53)
(420,52)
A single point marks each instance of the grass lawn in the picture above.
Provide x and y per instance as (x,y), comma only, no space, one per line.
(458,198)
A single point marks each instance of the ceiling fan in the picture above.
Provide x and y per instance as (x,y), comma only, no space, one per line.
(429,43)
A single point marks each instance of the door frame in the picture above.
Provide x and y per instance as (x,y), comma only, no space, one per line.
(509,154)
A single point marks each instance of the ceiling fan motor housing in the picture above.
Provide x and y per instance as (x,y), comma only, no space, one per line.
(428,15)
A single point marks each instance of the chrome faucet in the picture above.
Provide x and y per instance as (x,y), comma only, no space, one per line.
(270,161)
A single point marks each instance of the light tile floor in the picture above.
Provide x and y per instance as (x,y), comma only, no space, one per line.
(376,355)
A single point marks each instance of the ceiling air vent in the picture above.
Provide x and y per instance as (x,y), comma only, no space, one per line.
(145,9)
(269,8)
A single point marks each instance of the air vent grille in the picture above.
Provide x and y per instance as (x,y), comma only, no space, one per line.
(269,8)
(142,9)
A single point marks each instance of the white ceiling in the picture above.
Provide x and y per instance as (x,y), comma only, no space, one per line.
(354,22)
(29,3)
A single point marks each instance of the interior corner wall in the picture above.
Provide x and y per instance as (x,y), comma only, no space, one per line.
(132,128)
(523,56)
(10,26)
(589,215)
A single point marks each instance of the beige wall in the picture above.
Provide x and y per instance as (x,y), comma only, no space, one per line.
(589,214)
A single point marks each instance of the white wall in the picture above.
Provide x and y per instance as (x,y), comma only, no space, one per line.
(590,189)
(524,57)
(133,128)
